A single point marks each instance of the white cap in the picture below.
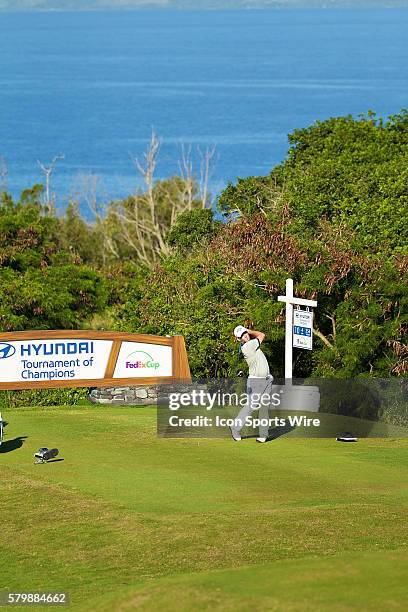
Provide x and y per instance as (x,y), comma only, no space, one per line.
(239,331)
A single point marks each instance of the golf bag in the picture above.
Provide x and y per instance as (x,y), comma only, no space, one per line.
(44,454)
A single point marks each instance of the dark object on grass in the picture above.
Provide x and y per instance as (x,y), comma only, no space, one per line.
(346,437)
(43,455)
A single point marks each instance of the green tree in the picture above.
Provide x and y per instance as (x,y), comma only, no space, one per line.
(80,237)
(360,323)
(333,216)
(348,171)
(192,228)
(41,285)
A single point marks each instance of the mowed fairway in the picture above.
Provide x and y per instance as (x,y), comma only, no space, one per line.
(129,521)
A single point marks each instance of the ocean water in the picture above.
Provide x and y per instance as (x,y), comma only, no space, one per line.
(92,86)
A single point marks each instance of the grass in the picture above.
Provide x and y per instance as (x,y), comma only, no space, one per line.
(131,521)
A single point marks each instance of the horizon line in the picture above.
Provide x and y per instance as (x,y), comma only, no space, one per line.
(204,8)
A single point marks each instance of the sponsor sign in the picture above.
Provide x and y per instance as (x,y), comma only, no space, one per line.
(303,329)
(85,359)
(48,360)
(143,360)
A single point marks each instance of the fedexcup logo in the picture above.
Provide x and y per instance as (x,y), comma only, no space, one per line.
(6,350)
(141,359)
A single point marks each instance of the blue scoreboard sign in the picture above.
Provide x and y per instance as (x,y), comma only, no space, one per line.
(303,329)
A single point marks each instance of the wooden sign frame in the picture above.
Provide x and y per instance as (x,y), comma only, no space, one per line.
(180,365)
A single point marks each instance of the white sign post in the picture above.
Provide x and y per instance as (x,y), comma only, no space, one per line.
(289,323)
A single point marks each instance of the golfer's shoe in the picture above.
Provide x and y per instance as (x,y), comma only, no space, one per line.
(235,435)
(262,440)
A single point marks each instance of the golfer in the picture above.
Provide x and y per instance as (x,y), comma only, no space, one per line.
(259,381)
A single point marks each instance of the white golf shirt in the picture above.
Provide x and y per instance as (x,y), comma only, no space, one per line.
(256,360)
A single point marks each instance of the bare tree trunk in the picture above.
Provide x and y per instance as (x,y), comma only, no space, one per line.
(3,174)
(205,166)
(89,188)
(48,170)
(185,195)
